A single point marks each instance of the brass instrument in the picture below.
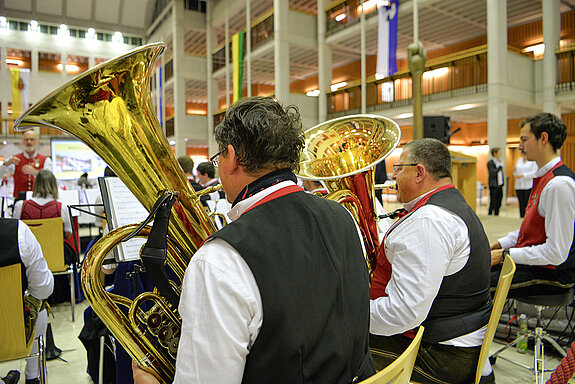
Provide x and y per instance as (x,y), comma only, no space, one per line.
(109,108)
(343,153)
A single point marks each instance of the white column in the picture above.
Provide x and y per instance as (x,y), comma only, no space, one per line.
(64,60)
(34,64)
(323,62)
(7,94)
(91,61)
(248,53)
(179,80)
(281,51)
(227,58)
(212,85)
(363,62)
(497,73)
(551,36)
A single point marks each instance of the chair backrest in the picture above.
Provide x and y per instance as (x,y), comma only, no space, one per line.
(507,272)
(398,372)
(12,334)
(50,235)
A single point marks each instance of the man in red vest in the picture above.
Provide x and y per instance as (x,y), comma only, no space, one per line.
(25,166)
(543,248)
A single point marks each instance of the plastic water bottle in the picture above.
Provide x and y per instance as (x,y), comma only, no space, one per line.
(521,346)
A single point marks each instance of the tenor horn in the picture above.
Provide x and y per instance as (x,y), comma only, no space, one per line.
(342,153)
(109,108)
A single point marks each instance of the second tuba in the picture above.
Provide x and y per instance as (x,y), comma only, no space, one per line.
(109,108)
(342,153)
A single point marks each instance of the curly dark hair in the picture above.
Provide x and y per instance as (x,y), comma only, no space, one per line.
(547,122)
(433,154)
(264,134)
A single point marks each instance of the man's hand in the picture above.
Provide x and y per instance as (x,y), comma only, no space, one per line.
(12,160)
(518,176)
(141,376)
(496,257)
(495,245)
(29,170)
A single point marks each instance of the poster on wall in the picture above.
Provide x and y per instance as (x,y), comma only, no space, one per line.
(71,158)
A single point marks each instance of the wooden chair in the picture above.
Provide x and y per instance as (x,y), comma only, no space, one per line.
(12,333)
(507,272)
(50,235)
(398,372)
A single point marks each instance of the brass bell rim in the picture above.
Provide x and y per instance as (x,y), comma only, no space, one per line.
(387,121)
(159,47)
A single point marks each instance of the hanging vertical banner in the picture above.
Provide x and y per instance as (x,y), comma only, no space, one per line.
(238,64)
(20,79)
(159,99)
(387,38)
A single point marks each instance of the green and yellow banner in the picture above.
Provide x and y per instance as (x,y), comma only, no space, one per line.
(19,79)
(238,64)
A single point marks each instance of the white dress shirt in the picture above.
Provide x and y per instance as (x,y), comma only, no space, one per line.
(17,214)
(527,169)
(40,279)
(557,196)
(221,309)
(423,247)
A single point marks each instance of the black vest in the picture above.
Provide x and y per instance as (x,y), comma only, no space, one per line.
(569,264)
(463,303)
(10,251)
(306,256)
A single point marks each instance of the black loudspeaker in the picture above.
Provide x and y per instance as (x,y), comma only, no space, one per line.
(437,127)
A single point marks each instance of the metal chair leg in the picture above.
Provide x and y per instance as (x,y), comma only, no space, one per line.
(42,369)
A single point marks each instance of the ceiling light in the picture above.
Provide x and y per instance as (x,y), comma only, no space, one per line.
(404,115)
(436,73)
(69,67)
(91,33)
(118,38)
(14,61)
(3,22)
(463,107)
(313,93)
(538,49)
(33,26)
(337,86)
(340,17)
(172,142)
(63,31)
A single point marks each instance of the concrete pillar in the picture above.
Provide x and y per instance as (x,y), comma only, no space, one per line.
(227,56)
(324,62)
(5,81)
(34,64)
(497,74)
(281,51)
(91,61)
(212,84)
(551,37)
(179,80)
(248,53)
(64,60)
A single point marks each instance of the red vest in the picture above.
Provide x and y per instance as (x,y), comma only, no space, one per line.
(33,210)
(23,182)
(532,230)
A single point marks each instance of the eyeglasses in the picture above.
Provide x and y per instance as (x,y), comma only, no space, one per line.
(215,158)
(397,167)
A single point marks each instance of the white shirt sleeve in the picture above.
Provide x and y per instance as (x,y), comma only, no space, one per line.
(221,313)
(48,164)
(65,213)
(17,212)
(557,206)
(40,279)
(431,243)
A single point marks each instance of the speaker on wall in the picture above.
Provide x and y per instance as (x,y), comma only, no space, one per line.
(437,127)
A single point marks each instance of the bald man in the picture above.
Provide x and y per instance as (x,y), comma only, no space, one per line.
(26,165)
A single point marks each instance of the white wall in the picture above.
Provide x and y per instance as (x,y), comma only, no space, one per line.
(521,79)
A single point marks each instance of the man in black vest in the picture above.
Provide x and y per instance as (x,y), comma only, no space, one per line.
(281,294)
(434,272)
(21,247)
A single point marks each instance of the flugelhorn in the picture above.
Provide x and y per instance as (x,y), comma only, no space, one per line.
(342,153)
(109,108)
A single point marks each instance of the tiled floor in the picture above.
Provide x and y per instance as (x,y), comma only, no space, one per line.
(73,369)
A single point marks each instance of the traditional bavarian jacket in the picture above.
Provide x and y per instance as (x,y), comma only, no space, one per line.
(546,235)
(280,295)
(23,182)
(444,282)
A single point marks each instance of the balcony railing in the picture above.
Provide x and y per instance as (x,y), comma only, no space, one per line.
(455,75)
(347,12)
(565,70)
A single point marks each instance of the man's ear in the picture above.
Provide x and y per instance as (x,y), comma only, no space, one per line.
(544,138)
(232,159)
(420,172)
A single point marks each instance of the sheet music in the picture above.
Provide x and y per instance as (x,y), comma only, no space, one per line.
(122,208)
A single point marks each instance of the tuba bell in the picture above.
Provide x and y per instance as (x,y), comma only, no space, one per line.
(343,153)
(109,108)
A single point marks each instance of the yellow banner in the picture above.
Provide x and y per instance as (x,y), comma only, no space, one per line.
(238,64)
(16,94)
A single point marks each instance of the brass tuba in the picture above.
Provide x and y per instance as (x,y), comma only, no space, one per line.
(110,110)
(343,153)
